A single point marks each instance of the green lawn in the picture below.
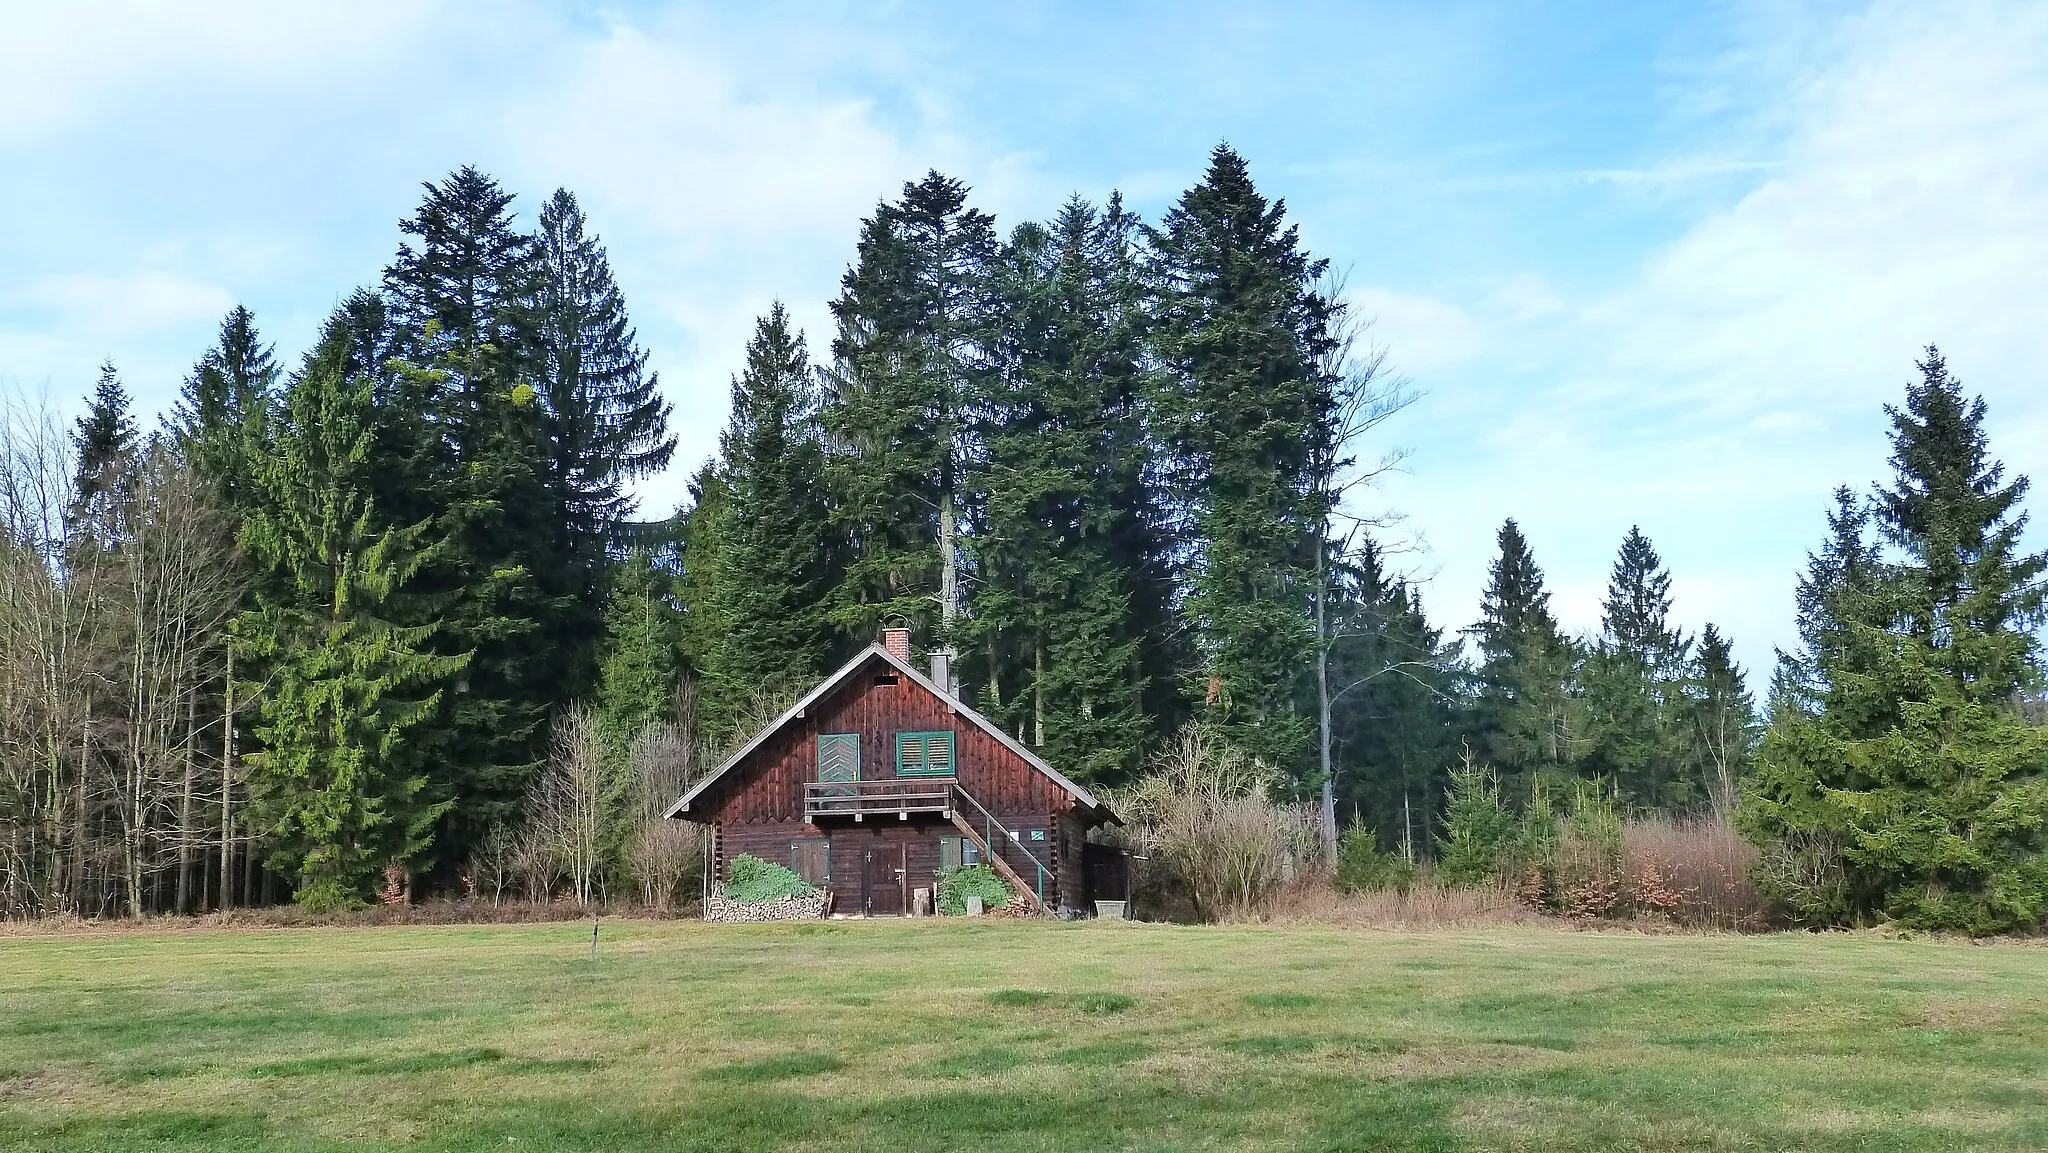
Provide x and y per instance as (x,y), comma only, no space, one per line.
(1006,1036)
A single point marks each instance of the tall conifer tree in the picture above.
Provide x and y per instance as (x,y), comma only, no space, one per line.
(642,652)
(105,441)
(1524,720)
(1243,335)
(1395,710)
(219,416)
(462,294)
(1635,680)
(773,634)
(1917,791)
(607,423)
(339,789)
(908,360)
(1071,593)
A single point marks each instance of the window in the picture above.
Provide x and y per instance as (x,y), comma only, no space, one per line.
(811,859)
(957,851)
(924,754)
(838,757)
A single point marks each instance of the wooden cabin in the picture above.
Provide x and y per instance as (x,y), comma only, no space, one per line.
(879,777)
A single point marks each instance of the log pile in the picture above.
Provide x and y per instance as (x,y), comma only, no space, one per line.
(725,911)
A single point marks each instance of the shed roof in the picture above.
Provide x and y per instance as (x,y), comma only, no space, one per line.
(902,667)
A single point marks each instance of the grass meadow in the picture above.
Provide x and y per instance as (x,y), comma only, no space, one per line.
(996,1036)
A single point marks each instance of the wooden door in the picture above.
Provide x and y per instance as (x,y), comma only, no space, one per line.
(883,881)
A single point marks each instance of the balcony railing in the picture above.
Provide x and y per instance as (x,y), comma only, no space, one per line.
(861,799)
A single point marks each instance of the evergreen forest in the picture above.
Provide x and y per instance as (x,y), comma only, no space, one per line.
(326,631)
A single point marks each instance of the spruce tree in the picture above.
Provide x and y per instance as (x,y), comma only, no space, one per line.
(703,540)
(1723,720)
(105,442)
(1844,568)
(907,362)
(1243,333)
(220,413)
(339,789)
(778,550)
(1395,705)
(1635,679)
(607,423)
(641,663)
(463,337)
(1071,574)
(1917,791)
(1524,720)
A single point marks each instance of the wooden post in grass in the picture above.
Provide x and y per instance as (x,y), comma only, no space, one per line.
(593,935)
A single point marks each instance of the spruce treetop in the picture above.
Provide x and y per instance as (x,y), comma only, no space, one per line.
(1968,592)
(1636,615)
(1515,608)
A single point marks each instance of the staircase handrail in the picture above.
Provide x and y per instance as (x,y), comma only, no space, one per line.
(990,819)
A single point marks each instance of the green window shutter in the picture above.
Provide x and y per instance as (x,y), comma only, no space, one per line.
(949,852)
(924,754)
(838,757)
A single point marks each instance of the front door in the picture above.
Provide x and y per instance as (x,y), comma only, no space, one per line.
(882,881)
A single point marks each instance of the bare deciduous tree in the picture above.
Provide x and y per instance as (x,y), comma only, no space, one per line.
(662,854)
(570,809)
(1203,819)
(112,620)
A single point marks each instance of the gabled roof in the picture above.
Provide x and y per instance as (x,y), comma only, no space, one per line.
(902,668)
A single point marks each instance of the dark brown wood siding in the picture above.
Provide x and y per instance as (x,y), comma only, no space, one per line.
(759,805)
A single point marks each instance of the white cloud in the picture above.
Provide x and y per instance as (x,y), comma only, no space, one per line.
(1718,393)
(1907,208)
(1424,334)
(124,305)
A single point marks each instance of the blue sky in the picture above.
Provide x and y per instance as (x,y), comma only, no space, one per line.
(1650,264)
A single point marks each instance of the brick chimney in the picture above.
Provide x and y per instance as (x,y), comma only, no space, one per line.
(897,641)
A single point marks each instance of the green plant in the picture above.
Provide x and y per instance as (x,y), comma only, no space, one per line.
(958,884)
(753,881)
(1480,834)
(1362,868)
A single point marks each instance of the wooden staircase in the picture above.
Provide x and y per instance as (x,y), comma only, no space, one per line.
(993,853)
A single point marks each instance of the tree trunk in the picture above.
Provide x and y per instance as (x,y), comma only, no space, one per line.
(1329,805)
(185,830)
(1038,692)
(78,835)
(949,569)
(227,788)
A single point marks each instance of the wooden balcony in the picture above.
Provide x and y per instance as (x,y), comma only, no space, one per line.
(862,799)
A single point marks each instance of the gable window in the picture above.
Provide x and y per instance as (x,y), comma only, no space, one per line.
(924,754)
(839,760)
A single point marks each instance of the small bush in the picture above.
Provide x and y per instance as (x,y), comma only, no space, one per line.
(958,884)
(754,881)
(1480,834)
(1362,868)
(1203,818)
